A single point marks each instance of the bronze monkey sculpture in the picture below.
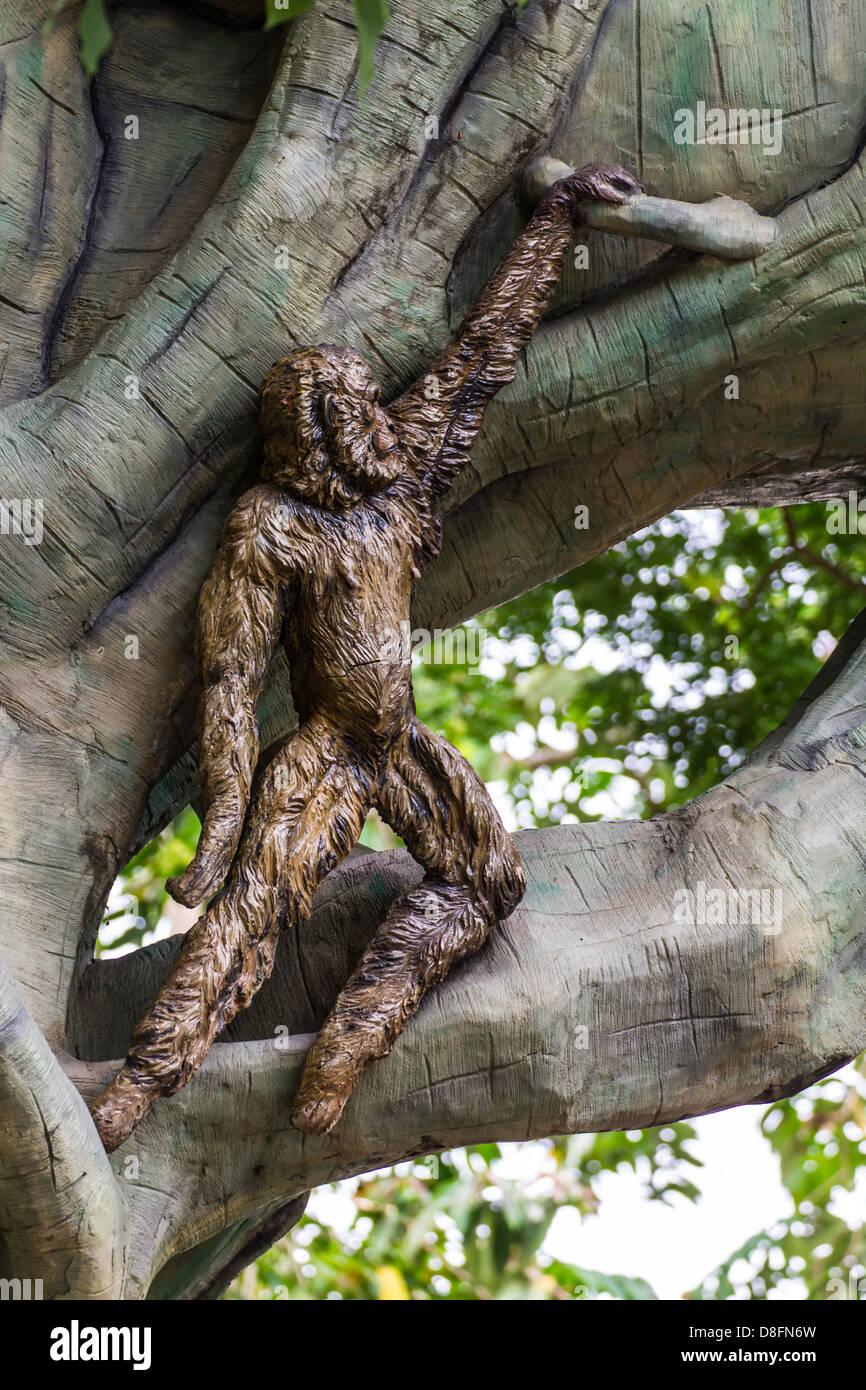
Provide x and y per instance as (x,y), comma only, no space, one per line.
(325,550)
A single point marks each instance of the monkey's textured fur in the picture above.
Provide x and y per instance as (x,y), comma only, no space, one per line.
(325,552)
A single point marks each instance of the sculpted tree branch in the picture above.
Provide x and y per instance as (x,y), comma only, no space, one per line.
(61,1211)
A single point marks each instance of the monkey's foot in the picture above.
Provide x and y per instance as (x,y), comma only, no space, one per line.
(121,1108)
(330,1075)
(318,1112)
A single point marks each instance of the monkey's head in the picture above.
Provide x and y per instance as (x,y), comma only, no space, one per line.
(326,435)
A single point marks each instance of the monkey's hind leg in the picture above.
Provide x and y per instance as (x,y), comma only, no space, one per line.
(436,802)
(306,815)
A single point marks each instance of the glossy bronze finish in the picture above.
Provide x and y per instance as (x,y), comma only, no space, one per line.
(325,552)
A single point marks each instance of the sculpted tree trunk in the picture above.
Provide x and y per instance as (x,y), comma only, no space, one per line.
(217,197)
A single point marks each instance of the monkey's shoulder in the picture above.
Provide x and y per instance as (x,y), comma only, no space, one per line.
(300,535)
(277,520)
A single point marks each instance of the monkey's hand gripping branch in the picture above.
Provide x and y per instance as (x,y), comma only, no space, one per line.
(724,227)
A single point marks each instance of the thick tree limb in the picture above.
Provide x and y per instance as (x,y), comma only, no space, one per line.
(61,1212)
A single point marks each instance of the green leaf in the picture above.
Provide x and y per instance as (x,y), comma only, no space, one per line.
(281,11)
(593,1282)
(94,32)
(371,16)
(50,22)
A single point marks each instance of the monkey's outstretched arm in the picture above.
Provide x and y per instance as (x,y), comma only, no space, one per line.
(240,615)
(441,413)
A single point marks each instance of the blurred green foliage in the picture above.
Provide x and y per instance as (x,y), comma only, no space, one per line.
(138,900)
(447,1228)
(637,674)
(818,1137)
(621,689)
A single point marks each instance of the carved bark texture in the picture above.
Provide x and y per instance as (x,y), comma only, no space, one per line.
(145,288)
